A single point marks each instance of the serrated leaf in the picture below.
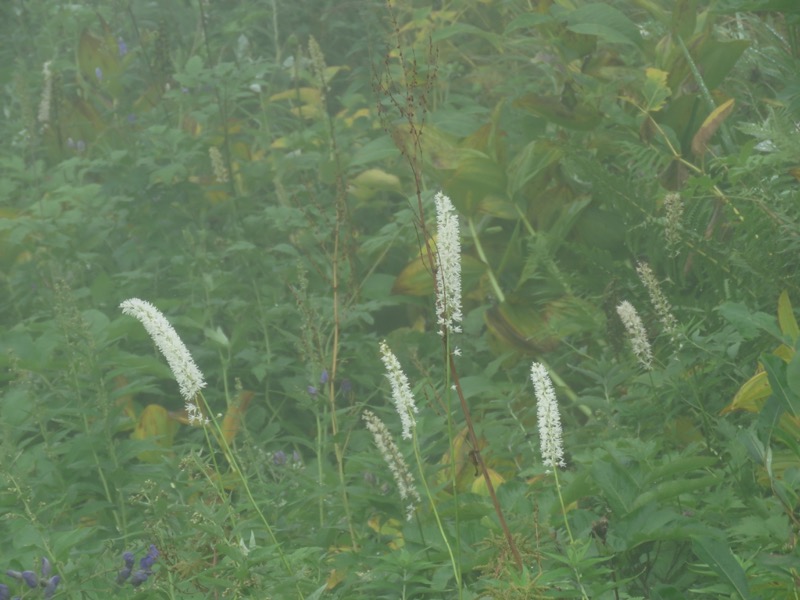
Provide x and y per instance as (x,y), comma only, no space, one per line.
(710,126)
(656,90)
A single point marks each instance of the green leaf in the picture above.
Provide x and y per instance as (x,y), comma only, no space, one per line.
(716,553)
(672,489)
(776,373)
(605,22)
(786,320)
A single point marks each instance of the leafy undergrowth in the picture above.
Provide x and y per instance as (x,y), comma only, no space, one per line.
(565,231)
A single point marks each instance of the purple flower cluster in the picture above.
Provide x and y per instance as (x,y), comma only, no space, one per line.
(142,573)
(47,582)
(280,458)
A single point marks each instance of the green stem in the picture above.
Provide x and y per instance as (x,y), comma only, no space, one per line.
(501,297)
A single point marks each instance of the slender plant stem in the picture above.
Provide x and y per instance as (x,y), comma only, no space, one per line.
(477,453)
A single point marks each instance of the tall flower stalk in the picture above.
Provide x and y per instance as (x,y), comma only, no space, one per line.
(406,408)
(550,441)
(190,381)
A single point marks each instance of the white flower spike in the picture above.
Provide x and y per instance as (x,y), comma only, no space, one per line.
(548,417)
(448,271)
(180,361)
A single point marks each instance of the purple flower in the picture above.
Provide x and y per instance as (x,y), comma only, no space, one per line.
(46,568)
(323,378)
(139,578)
(123,575)
(346,386)
(147,562)
(50,588)
(312,390)
(123,48)
(5,594)
(279,458)
(129,559)
(30,578)
(98,72)
(14,574)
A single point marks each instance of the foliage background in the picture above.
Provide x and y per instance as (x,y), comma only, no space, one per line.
(563,131)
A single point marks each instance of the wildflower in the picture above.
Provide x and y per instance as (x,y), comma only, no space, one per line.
(139,578)
(184,369)
(397,464)
(312,391)
(98,72)
(548,417)
(145,567)
(46,568)
(5,593)
(147,561)
(279,458)
(47,92)
(323,378)
(657,298)
(51,586)
(636,333)
(401,391)
(448,271)
(218,165)
(129,559)
(122,46)
(30,578)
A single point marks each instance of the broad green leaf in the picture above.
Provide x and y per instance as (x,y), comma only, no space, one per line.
(716,553)
(715,59)
(672,489)
(581,117)
(789,400)
(476,177)
(793,379)
(786,320)
(605,22)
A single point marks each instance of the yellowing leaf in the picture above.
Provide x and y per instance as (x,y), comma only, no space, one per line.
(709,127)
(234,417)
(656,90)
(154,422)
(751,395)
(479,485)
(390,528)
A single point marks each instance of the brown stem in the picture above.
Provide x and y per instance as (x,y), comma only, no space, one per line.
(477,454)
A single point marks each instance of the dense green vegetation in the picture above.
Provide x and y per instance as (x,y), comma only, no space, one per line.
(264,174)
